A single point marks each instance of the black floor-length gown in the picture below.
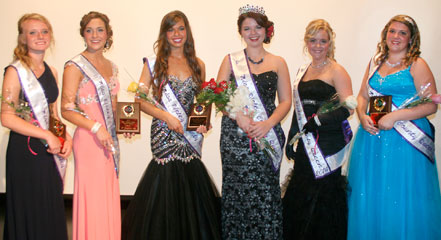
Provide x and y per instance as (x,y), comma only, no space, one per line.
(34,189)
(315,208)
(175,198)
(251,203)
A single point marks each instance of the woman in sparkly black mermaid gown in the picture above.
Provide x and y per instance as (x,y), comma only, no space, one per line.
(176,198)
(315,202)
(251,202)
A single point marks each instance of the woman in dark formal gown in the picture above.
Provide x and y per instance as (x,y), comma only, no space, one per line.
(176,198)
(251,202)
(34,173)
(315,205)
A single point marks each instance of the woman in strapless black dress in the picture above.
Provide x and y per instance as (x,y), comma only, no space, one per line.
(315,205)
(251,202)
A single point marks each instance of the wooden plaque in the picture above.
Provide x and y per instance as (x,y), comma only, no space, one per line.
(128,117)
(199,115)
(58,129)
(378,107)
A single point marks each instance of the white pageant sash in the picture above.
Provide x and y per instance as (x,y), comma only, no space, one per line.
(173,106)
(321,165)
(37,100)
(411,132)
(242,74)
(104,96)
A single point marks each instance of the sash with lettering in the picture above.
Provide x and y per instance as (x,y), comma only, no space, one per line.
(409,130)
(34,93)
(321,165)
(173,106)
(242,74)
(105,100)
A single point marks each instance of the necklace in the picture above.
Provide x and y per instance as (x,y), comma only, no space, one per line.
(253,62)
(320,65)
(392,65)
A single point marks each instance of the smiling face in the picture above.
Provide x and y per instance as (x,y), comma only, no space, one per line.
(252,33)
(318,45)
(177,35)
(36,35)
(95,35)
(398,37)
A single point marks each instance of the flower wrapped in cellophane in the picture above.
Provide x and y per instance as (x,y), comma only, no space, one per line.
(142,92)
(329,106)
(425,97)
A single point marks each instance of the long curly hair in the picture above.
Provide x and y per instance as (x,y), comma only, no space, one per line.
(413,48)
(21,50)
(262,20)
(92,15)
(313,28)
(163,49)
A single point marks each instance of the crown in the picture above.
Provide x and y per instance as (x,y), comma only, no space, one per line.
(250,8)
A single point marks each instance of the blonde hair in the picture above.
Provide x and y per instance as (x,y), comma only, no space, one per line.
(313,28)
(413,48)
(21,50)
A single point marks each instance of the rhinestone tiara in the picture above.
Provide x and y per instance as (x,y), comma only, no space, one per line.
(250,8)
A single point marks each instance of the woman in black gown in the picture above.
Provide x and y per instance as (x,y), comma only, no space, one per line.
(251,203)
(176,198)
(315,205)
(34,184)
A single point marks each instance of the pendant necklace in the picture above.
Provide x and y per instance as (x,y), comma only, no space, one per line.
(320,65)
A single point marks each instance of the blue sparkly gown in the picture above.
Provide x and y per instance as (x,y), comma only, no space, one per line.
(251,202)
(395,190)
(176,198)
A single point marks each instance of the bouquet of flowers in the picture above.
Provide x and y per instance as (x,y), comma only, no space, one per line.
(232,100)
(331,105)
(217,93)
(425,97)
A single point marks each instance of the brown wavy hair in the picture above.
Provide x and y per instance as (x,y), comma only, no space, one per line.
(313,28)
(162,49)
(413,48)
(92,15)
(21,50)
(261,19)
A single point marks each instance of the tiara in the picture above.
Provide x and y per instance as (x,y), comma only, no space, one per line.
(250,8)
(408,19)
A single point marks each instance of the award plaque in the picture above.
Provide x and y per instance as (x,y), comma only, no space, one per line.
(58,129)
(128,118)
(378,107)
(199,115)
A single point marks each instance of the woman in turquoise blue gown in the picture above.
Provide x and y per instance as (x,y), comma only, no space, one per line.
(392,176)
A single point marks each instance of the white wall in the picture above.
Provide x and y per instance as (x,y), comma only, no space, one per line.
(136,25)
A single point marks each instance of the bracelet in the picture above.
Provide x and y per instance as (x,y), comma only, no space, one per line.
(317,121)
(95,127)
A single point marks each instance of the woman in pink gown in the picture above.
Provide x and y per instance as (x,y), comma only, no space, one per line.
(90,85)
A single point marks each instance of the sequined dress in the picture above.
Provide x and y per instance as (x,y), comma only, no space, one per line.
(251,203)
(395,189)
(175,198)
(34,189)
(315,208)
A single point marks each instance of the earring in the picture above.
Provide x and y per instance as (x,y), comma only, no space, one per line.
(107,44)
